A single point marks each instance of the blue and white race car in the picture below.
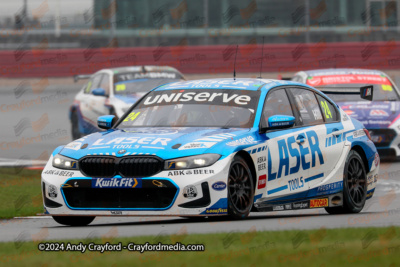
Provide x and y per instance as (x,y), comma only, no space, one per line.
(113,91)
(381,116)
(216,147)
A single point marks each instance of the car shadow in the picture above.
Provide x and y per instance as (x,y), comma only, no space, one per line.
(215,219)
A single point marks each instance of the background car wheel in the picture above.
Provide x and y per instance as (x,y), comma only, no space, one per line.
(240,189)
(354,186)
(76,134)
(74,220)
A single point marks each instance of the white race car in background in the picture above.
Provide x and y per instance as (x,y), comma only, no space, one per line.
(113,91)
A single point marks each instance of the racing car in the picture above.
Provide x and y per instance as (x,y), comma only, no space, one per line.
(380,117)
(216,147)
(113,91)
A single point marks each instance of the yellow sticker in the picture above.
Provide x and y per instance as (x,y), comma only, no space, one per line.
(120,87)
(328,113)
(386,87)
(132,116)
(87,89)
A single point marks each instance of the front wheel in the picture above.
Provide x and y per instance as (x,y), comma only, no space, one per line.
(74,220)
(354,186)
(76,134)
(240,189)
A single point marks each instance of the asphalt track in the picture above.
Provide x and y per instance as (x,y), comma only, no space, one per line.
(383,210)
(34,119)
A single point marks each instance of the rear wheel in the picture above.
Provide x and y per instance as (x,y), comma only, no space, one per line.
(240,189)
(76,134)
(74,220)
(354,186)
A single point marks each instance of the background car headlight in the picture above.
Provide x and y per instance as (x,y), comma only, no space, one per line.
(62,162)
(191,162)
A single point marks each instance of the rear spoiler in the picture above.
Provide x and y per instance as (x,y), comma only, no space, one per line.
(284,78)
(81,77)
(365,92)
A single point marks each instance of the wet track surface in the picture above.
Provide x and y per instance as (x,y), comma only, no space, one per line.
(382,210)
(34,119)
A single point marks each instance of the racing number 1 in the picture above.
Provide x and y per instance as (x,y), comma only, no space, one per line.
(327,111)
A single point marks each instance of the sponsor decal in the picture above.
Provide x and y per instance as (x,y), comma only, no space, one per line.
(345,117)
(190,191)
(158,183)
(376,160)
(242,141)
(195,145)
(345,79)
(116,183)
(370,179)
(171,165)
(122,151)
(261,163)
(278,207)
(137,75)
(76,184)
(288,149)
(59,173)
(133,140)
(300,205)
(296,183)
(358,133)
(318,203)
(378,112)
(52,191)
(74,145)
(116,212)
(190,172)
(219,186)
(262,181)
(216,211)
(288,206)
(375,178)
(330,188)
(66,186)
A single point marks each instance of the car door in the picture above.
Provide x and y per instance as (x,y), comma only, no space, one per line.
(284,175)
(323,143)
(92,106)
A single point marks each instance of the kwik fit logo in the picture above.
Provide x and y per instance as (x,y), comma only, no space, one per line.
(116,183)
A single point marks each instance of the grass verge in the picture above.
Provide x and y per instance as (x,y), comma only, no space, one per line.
(323,247)
(20,193)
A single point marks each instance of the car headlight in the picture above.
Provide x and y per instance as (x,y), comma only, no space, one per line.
(62,162)
(191,162)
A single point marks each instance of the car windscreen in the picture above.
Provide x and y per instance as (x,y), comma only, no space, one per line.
(194,108)
(383,88)
(139,86)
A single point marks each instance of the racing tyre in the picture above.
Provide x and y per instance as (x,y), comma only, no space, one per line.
(74,220)
(354,186)
(240,189)
(76,134)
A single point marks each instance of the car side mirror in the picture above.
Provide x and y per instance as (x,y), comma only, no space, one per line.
(99,92)
(279,122)
(106,121)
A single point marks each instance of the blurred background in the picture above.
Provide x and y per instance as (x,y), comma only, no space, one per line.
(44,43)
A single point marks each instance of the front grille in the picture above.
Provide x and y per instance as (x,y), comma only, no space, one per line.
(382,137)
(152,195)
(139,166)
(134,166)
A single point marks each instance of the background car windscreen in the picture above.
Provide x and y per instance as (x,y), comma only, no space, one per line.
(194,108)
(139,82)
(383,88)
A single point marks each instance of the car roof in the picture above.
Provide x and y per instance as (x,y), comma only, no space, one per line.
(341,71)
(228,84)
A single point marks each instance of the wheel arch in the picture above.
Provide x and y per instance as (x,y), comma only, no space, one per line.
(246,156)
(363,156)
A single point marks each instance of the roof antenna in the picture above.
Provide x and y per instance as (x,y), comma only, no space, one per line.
(262,57)
(234,64)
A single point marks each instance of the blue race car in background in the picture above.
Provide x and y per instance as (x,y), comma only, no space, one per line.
(113,91)
(216,147)
(381,116)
